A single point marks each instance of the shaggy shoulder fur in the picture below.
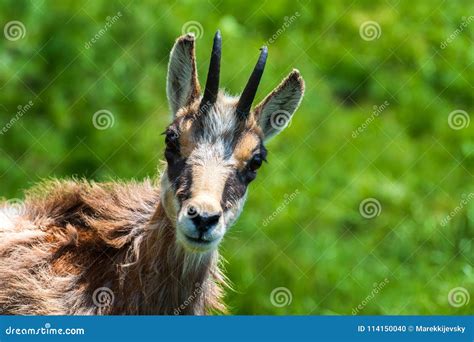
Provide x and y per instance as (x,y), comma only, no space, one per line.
(75,247)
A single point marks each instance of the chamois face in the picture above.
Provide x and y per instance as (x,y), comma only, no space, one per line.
(215,145)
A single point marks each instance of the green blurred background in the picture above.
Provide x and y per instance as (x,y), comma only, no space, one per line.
(316,244)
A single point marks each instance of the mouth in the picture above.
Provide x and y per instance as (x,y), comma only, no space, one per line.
(198,244)
(199,240)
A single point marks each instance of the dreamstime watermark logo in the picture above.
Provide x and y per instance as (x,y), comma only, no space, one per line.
(458,296)
(14,30)
(7,303)
(192,210)
(288,20)
(190,299)
(370,30)
(458,119)
(465,199)
(194,28)
(47,329)
(109,21)
(205,107)
(280,297)
(464,23)
(103,297)
(280,119)
(281,207)
(377,287)
(21,110)
(103,119)
(370,208)
(377,110)
(13,207)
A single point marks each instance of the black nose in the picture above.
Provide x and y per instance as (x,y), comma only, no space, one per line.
(204,221)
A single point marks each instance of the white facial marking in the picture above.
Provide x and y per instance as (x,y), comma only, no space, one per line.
(211,161)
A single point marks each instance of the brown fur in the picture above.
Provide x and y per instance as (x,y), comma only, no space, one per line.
(76,247)
(245,148)
(75,237)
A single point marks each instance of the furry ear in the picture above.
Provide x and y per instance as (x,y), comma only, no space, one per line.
(182,83)
(276,110)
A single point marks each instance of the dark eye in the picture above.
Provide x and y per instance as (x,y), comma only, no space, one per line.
(255,163)
(171,137)
(172,146)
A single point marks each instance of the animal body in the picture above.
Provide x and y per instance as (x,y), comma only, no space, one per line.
(150,247)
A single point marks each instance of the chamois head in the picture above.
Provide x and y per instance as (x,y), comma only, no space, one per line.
(215,143)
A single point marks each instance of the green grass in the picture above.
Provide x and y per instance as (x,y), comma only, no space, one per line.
(319,247)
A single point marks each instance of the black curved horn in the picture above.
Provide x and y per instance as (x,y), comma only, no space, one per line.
(246,99)
(212,83)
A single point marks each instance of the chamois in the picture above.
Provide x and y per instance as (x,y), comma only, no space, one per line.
(150,247)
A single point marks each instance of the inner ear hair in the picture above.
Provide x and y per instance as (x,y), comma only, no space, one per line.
(276,110)
(182,83)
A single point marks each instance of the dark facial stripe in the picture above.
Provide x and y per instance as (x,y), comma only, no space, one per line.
(172,154)
(175,168)
(234,189)
(181,177)
(179,172)
(184,183)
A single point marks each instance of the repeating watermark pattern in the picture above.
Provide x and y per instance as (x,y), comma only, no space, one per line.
(464,23)
(280,119)
(14,30)
(192,211)
(194,28)
(109,22)
(377,110)
(288,21)
(103,297)
(280,297)
(13,207)
(458,119)
(370,30)
(465,199)
(377,287)
(204,108)
(21,110)
(458,296)
(8,302)
(281,207)
(370,208)
(191,298)
(103,119)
